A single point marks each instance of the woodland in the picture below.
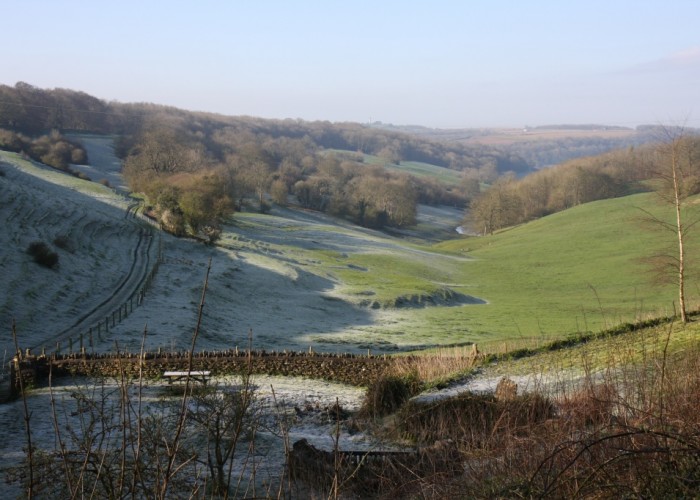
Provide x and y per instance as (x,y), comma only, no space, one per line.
(196,168)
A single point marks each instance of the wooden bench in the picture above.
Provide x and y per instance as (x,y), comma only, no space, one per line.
(196,375)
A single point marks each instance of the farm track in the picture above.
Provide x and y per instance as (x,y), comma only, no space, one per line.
(125,289)
(105,248)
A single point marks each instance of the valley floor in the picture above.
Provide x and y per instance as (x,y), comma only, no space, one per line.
(289,280)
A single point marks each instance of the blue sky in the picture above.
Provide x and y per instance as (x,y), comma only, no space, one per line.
(438,63)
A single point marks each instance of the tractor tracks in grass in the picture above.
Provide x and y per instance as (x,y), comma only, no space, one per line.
(125,291)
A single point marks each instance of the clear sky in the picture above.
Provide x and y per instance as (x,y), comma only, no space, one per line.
(438,63)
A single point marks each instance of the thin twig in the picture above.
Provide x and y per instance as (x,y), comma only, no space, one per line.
(27,414)
(172,453)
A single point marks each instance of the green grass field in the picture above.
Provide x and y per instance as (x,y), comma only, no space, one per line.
(419,169)
(576,271)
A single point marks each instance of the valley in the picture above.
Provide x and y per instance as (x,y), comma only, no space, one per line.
(296,279)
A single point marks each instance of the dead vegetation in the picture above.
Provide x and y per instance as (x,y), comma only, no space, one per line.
(628,429)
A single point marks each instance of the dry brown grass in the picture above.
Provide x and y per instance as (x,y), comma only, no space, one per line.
(629,427)
(438,365)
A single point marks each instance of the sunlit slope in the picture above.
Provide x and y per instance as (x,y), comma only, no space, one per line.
(579,270)
(573,271)
(416,168)
(299,279)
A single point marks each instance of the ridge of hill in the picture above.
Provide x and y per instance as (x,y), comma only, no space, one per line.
(545,145)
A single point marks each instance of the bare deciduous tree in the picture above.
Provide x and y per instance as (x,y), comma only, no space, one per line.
(676,169)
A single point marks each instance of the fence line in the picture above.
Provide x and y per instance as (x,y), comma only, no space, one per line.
(87,337)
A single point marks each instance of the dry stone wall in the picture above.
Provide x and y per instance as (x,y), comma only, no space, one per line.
(358,370)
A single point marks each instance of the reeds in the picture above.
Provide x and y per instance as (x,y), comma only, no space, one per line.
(438,365)
(625,424)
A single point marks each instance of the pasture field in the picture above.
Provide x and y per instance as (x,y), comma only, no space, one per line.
(417,168)
(578,270)
(301,279)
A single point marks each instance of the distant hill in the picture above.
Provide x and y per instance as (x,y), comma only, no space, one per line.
(35,111)
(547,145)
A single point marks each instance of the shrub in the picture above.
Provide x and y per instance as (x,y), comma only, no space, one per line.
(476,420)
(43,254)
(388,394)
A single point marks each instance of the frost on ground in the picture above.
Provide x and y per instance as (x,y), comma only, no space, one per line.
(84,224)
(553,383)
(286,408)
(264,282)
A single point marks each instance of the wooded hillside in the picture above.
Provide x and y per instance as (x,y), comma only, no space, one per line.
(197,167)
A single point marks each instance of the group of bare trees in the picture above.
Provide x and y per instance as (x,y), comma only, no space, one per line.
(192,182)
(510,201)
(187,194)
(369,196)
(51,149)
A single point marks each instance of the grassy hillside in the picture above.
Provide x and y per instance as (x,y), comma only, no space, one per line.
(419,169)
(299,278)
(573,271)
(576,271)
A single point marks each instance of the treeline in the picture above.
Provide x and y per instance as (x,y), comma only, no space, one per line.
(191,191)
(196,168)
(52,149)
(510,201)
(542,153)
(34,111)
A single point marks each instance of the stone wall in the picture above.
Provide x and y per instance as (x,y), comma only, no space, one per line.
(358,370)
